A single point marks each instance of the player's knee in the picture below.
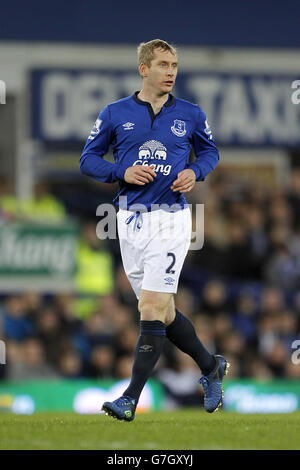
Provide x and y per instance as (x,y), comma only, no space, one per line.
(151,312)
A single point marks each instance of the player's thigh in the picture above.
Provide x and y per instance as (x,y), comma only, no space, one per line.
(132,268)
(154,305)
(164,254)
(163,265)
(131,253)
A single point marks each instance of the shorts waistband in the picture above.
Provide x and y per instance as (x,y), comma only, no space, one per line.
(154,208)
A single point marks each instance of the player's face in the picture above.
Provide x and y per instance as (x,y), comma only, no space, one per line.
(161,74)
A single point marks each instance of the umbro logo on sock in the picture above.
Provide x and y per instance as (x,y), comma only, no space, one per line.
(146,348)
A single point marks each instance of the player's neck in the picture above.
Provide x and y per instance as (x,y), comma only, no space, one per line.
(156,101)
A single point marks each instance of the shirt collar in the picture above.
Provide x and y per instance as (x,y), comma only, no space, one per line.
(171,100)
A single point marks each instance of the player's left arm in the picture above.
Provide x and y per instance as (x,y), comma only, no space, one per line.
(207,156)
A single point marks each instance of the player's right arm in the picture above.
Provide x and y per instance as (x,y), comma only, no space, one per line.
(93,164)
(91,161)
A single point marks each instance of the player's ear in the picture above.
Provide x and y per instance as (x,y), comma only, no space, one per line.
(143,70)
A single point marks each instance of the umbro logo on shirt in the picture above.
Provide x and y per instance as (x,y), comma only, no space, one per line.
(128,126)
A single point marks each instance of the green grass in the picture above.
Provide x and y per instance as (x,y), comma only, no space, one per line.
(185,429)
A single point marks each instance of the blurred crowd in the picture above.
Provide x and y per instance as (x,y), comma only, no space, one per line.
(241,290)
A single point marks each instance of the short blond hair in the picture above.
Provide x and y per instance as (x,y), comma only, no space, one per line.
(146,50)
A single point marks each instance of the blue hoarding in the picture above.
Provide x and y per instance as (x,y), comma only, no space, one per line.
(243,109)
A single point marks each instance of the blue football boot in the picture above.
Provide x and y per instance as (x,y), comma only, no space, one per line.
(212,385)
(122,408)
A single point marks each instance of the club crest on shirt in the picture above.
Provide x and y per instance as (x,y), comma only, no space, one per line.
(178,128)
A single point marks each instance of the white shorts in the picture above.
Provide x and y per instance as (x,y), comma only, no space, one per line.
(153,247)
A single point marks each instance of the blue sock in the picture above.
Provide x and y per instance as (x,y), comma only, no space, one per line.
(147,352)
(181,332)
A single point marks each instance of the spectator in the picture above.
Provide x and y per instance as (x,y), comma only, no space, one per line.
(70,364)
(244,300)
(239,258)
(124,367)
(126,341)
(204,329)
(214,298)
(16,324)
(102,362)
(94,269)
(255,367)
(41,207)
(50,333)
(181,381)
(96,331)
(30,363)
(245,316)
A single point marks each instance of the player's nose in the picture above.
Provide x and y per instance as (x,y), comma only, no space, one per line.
(170,76)
(170,71)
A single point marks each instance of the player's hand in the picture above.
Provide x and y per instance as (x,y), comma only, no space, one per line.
(139,174)
(185,181)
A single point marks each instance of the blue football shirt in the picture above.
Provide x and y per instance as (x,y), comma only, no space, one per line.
(139,137)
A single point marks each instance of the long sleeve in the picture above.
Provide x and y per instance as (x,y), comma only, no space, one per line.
(91,161)
(205,149)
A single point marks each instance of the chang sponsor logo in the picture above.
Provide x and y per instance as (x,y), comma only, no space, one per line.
(153,150)
(158,168)
(36,251)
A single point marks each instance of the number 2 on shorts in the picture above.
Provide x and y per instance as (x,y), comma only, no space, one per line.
(169,270)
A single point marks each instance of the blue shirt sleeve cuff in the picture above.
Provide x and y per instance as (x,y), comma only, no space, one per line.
(197,172)
(120,171)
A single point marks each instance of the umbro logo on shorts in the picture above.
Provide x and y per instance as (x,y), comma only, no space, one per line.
(169,281)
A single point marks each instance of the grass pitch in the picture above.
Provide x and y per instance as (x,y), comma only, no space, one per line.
(185,429)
